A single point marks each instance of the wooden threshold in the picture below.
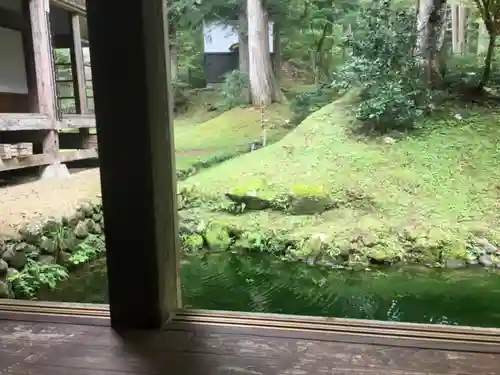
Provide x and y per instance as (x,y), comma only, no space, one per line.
(424,336)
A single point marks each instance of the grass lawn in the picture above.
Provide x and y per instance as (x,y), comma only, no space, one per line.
(438,187)
(227,135)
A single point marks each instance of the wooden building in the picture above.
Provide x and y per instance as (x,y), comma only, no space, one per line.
(221,41)
(145,330)
(34,131)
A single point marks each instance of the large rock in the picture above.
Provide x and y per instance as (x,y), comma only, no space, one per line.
(4,289)
(15,259)
(309,200)
(3,267)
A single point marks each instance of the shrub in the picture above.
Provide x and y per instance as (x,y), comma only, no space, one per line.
(381,63)
(234,90)
(303,104)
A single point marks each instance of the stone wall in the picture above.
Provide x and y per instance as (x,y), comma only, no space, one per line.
(44,253)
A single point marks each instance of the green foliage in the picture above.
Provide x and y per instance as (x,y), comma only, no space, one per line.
(382,64)
(234,90)
(305,103)
(90,249)
(35,276)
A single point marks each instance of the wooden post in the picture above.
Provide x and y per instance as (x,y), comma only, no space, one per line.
(77,68)
(142,246)
(78,75)
(44,67)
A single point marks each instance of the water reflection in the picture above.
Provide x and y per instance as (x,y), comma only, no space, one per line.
(259,283)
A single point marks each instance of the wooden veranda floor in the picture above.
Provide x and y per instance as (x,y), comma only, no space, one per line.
(208,349)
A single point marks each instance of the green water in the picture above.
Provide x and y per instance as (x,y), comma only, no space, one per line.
(261,283)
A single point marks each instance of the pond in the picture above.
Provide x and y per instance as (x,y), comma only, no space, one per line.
(260,283)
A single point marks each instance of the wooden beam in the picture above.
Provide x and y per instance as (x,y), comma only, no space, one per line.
(44,66)
(25,121)
(47,159)
(73,6)
(70,121)
(149,250)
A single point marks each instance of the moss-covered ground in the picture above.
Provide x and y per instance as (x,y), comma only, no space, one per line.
(422,197)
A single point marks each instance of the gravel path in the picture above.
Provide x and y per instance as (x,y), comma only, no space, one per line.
(36,200)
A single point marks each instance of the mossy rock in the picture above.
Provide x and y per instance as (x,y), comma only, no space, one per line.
(256,195)
(455,251)
(251,201)
(217,237)
(309,200)
(385,253)
(193,242)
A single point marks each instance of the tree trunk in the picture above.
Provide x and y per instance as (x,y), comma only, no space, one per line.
(243,42)
(243,54)
(487,62)
(482,40)
(277,51)
(262,82)
(174,61)
(430,22)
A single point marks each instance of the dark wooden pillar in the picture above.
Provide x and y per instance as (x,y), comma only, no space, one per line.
(134,127)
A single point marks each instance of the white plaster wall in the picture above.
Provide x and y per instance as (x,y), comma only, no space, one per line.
(12,65)
(219,37)
(14,5)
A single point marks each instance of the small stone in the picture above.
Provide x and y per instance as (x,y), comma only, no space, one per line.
(4,290)
(485,260)
(31,233)
(51,226)
(12,272)
(47,245)
(81,230)
(454,263)
(15,259)
(64,257)
(93,227)
(488,247)
(86,209)
(311,261)
(47,259)
(472,262)
(3,267)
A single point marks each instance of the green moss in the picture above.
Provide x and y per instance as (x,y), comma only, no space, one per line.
(310,191)
(193,242)
(217,237)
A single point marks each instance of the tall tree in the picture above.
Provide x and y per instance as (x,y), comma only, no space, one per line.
(263,85)
(490,13)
